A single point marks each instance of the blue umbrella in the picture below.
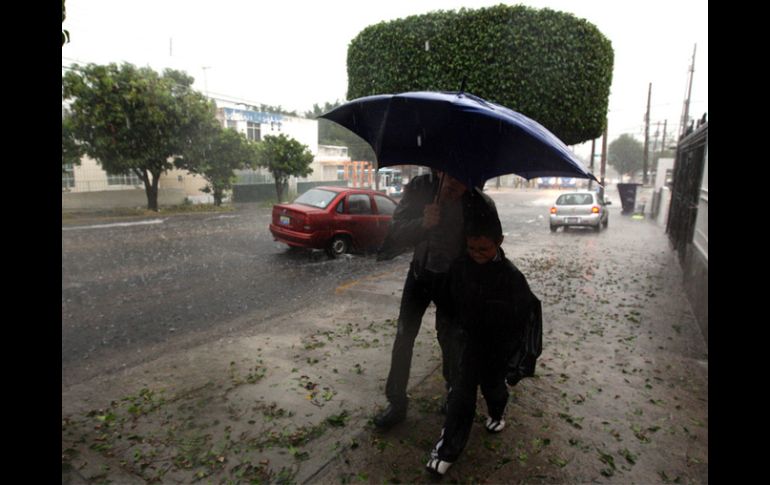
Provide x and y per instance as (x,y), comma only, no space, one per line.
(459,133)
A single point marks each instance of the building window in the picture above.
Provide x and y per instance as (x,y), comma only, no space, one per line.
(123,179)
(252,131)
(232,124)
(67,177)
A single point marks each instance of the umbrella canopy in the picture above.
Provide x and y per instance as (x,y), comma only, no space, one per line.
(459,133)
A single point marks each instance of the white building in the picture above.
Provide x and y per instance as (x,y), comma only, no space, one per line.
(177,185)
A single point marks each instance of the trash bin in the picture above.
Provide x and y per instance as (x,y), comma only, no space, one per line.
(627,197)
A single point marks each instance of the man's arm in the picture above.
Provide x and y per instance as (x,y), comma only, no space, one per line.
(407,228)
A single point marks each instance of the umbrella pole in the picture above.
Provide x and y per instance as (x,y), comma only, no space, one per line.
(438,192)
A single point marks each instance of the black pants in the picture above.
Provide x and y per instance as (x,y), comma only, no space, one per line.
(417,295)
(477,367)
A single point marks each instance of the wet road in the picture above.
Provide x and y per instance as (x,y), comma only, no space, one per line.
(131,292)
(620,393)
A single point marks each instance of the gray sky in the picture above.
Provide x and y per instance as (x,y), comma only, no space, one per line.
(293,52)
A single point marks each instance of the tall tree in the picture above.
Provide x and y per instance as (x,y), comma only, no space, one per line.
(216,157)
(283,157)
(626,154)
(71,149)
(134,120)
(548,65)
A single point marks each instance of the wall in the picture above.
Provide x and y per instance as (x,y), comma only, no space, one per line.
(113,199)
(190,183)
(90,177)
(255,192)
(327,161)
(266,192)
(660,209)
(664,164)
(174,185)
(305,186)
(696,285)
(303,130)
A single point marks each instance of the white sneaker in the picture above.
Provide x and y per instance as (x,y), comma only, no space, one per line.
(438,466)
(495,426)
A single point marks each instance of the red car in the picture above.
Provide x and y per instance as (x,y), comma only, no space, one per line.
(337,219)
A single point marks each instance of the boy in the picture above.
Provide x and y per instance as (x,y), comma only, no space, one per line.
(435,230)
(491,308)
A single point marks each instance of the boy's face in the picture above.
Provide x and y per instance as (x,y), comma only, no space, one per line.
(482,249)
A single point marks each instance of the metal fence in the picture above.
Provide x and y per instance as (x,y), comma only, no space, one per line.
(685,192)
(70,183)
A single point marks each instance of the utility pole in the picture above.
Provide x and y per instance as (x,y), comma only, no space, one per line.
(646,137)
(686,110)
(663,144)
(604,154)
(657,134)
(593,151)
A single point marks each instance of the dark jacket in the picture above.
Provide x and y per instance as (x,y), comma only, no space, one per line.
(406,231)
(496,310)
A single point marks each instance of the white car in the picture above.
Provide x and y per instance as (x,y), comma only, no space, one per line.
(584,208)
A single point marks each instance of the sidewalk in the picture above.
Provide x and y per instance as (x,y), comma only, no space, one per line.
(621,393)
(620,396)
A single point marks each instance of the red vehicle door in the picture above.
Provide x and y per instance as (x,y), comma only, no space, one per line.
(358,219)
(385,209)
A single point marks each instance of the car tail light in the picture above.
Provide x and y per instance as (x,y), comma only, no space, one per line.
(307,225)
(595,209)
(553,210)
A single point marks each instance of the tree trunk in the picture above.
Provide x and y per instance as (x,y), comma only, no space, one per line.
(151,189)
(218,197)
(279,189)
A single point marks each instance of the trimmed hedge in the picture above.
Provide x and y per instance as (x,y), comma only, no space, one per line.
(548,65)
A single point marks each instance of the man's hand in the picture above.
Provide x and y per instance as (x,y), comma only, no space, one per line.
(431,216)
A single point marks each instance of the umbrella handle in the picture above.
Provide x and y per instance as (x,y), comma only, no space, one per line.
(438,192)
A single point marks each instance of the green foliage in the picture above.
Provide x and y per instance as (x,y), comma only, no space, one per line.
(71,150)
(65,35)
(216,155)
(330,133)
(132,119)
(548,65)
(625,154)
(283,157)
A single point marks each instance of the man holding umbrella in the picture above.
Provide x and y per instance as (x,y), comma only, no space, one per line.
(474,140)
(430,218)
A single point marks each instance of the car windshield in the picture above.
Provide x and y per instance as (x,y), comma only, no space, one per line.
(575,199)
(316,198)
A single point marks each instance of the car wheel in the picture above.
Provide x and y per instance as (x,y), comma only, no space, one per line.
(553,228)
(606,222)
(598,226)
(340,245)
